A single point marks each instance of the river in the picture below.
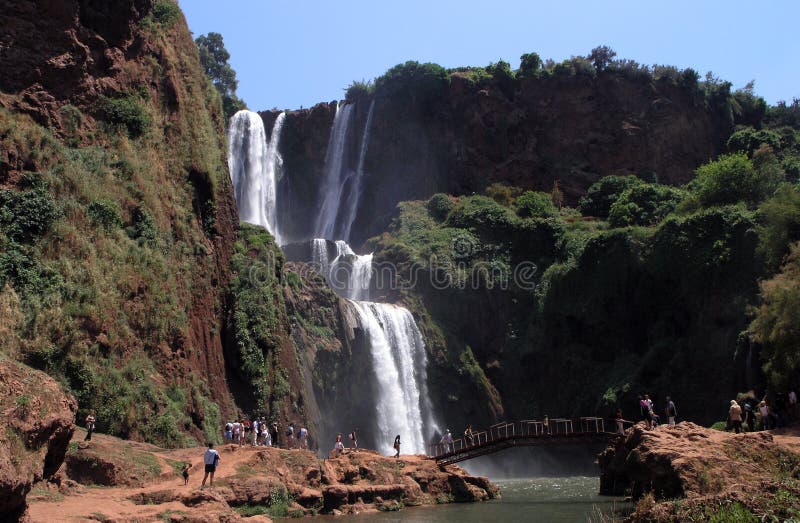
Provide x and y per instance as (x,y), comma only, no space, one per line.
(551,500)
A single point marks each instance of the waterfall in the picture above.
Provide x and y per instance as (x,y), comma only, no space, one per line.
(334,174)
(348,273)
(354,194)
(399,361)
(254,165)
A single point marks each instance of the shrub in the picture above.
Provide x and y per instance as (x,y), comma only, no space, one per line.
(127,113)
(26,215)
(163,15)
(144,226)
(779,224)
(532,204)
(644,204)
(503,194)
(601,57)
(358,90)
(483,216)
(602,194)
(749,140)
(439,206)
(730,179)
(105,214)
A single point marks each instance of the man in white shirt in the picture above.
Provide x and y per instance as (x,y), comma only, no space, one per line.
(211,460)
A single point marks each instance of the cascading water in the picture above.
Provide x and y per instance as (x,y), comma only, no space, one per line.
(399,361)
(334,176)
(354,194)
(254,164)
(396,346)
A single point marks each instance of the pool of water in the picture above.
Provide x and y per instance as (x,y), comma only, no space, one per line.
(569,499)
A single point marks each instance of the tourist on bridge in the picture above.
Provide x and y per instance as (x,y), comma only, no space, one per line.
(620,421)
(671,411)
(546,425)
(735,416)
(447,441)
(470,437)
(397,446)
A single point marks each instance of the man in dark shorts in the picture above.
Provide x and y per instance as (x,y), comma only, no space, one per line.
(211,460)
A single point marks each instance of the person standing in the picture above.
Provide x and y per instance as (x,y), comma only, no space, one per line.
(290,435)
(354,438)
(255,426)
(338,446)
(468,435)
(211,460)
(735,415)
(792,405)
(620,421)
(185,472)
(671,411)
(237,429)
(89,426)
(302,438)
(763,409)
(447,441)
(397,446)
(274,434)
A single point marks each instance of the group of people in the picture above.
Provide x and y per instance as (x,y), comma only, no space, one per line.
(261,433)
(750,414)
(649,414)
(338,445)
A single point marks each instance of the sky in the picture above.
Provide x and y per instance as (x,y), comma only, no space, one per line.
(290,54)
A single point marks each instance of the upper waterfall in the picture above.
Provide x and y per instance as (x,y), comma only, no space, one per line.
(334,177)
(254,165)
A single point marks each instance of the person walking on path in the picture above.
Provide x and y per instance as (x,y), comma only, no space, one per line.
(211,460)
(735,415)
(89,426)
(671,411)
(397,446)
(185,472)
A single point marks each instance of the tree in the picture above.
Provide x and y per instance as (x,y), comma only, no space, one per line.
(532,204)
(214,58)
(601,57)
(530,64)
(557,195)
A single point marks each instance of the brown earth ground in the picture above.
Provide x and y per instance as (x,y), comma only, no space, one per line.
(115,480)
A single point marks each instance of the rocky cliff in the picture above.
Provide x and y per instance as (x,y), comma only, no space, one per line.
(119,218)
(461,130)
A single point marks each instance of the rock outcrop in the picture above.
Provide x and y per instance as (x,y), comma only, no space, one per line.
(702,468)
(250,480)
(36,424)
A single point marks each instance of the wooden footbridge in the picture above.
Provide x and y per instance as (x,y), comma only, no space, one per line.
(526,433)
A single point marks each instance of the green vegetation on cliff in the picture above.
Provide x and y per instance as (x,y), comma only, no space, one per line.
(110,243)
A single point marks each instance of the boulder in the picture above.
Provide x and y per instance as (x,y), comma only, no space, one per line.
(36,424)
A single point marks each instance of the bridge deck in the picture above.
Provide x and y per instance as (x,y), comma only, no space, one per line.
(524,433)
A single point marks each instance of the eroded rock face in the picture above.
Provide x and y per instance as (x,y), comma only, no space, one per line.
(686,461)
(36,424)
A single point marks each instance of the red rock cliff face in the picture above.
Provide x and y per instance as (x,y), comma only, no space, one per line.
(527,133)
(62,59)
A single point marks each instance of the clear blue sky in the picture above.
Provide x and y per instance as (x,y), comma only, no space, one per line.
(293,53)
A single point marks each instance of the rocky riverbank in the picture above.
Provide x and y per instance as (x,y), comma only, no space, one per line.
(109,479)
(690,473)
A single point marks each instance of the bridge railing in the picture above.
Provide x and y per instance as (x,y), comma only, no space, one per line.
(527,428)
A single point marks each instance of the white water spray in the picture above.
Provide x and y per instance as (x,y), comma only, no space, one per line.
(254,165)
(333,181)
